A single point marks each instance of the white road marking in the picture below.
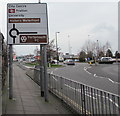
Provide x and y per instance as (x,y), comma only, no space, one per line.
(27,66)
(52,72)
(85,69)
(95,75)
(56,68)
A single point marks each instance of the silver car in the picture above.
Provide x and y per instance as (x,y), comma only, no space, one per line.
(69,62)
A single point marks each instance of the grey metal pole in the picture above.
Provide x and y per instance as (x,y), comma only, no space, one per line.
(41,68)
(45,74)
(1,73)
(57,47)
(69,45)
(1,39)
(10,72)
(41,71)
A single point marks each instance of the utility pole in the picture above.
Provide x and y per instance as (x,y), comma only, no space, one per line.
(97,49)
(57,47)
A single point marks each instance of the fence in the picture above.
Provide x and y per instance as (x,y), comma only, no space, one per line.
(82,98)
(3,59)
(3,74)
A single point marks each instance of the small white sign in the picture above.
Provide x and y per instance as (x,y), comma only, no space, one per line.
(27,23)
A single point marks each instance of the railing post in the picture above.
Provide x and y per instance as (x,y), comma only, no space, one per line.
(92,101)
(61,87)
(95,101)
(98,102)
(105,103)
(102,104)
(84,100)
(113,104)
(119,105)
(81,97)
(109,104)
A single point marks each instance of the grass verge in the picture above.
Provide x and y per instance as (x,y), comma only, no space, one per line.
(51,65)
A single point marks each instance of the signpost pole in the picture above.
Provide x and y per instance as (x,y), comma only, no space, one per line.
(10,72)
(45,74)
(41,71)
(41,68)
(1,38)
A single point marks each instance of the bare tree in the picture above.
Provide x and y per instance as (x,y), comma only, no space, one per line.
(117,54)
(107,45)
(82,56)
(94,50)
(51,50)
(101,54)
(109,53)
(90,48)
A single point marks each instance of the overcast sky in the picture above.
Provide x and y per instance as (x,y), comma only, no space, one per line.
(75,20)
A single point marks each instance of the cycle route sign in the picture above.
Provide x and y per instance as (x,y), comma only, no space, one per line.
(27,23)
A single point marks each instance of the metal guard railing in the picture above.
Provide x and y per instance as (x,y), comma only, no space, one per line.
(82,98)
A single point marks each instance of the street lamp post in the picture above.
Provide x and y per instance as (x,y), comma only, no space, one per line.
(97,52)
(69,46)
(57,47)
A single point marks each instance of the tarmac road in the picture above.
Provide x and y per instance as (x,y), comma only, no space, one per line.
(106,70)
(94,76)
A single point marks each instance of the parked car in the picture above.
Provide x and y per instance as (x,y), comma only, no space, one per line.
(32,60)
(106,60)
(69,62)
(54,62)
(76,60)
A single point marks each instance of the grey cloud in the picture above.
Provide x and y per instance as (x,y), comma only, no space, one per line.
(102,27)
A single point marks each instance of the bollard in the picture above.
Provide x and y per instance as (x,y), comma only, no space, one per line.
(90,63)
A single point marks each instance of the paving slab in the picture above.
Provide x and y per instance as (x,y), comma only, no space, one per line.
(27,99)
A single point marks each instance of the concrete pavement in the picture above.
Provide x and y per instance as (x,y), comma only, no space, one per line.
(27,99)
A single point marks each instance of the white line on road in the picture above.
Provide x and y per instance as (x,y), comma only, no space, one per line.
(85,69)
(95,75)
